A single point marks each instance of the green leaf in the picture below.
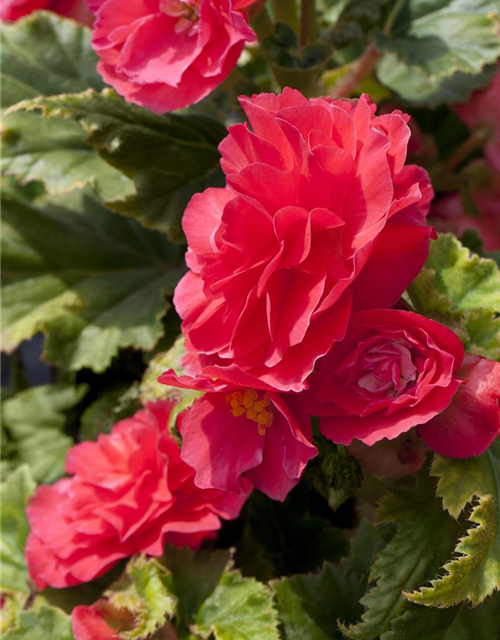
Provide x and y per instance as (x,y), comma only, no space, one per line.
(479,330)
(11,605)
(310,605)
(475,573)
(44,54)
(15,492)
(55,152)
(195,576)
(35,420)
(462,290)
(93,281)
(412,555)
(454,623)
(462,479)
(116,403)
(144,596)
(439,51)
(40,622)
(168,157)
(151,390)
(462,278)
(239,609)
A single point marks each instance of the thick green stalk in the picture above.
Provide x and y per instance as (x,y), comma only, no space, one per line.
(262,24)
(307,21)
(285,11)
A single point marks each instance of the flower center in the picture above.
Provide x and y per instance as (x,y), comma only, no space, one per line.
(253,406)
(387,368)
(185,10)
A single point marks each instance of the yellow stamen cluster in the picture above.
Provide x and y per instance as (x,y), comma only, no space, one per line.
(249,405)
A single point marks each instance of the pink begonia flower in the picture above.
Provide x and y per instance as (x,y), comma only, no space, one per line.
(483,108)
(129,492)
(235,436)
(395,370)
(320,216)
(448,213)
(12,10)
(94,622)
(168,54)
(472,420)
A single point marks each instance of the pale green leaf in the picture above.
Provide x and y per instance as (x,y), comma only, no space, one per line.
(44,54)
(463,279)
(239,609)
(54,151)
(41,622)
(461,290)
(145,592)
(150,389)
(35,420)
(94,281)
(169,157)
(479,330)
(462,479)
(438,51)
(15,492)
(475,573)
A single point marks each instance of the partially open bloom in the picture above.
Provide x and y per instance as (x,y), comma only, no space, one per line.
(12,10)
(471,422)
(168,54)
(482,109)
(234,437)
(396,458)
(319,216)
(93,623)
(394,370)
(129,492)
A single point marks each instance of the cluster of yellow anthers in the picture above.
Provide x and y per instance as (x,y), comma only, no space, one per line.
(248,404)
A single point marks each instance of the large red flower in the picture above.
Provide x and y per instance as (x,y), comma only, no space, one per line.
(12,10)
(319,216)
(233,436)
(168,54)
(393,371)
(129,492)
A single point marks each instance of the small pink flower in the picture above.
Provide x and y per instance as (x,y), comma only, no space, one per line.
(396,458)
(235,437)
(12,10)
(168,54)
(320,216)
(394,370)
(129,492)
(94,622)
(483,109)
(472,420)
